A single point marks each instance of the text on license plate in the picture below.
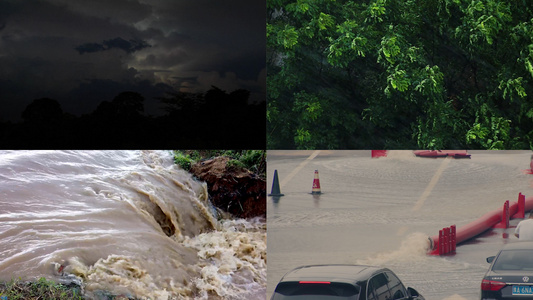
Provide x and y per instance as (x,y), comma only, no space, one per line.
(522,290)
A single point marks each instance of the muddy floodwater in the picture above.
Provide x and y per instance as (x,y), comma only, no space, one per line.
(381,212)
(126,222)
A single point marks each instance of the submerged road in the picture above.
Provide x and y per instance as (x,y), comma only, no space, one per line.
(381,212)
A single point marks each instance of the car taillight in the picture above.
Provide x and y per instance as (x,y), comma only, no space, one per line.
(319,282)
(490,285)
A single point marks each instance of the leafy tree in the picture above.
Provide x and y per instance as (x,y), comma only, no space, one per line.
(399,74)
(128,104)
(43,110)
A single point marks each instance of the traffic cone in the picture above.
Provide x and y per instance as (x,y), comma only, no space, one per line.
(275,192)
(316,184)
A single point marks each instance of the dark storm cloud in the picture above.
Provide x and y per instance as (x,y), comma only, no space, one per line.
(120,43)
(128,46)
(90,47)
(188,45)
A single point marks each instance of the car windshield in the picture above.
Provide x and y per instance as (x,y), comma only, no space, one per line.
(329,291)
(514,260)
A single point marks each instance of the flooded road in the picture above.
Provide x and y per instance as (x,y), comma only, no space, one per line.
(381,212)
(128,222)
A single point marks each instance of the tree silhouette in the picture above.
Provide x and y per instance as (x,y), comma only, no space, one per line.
(43,110)
(105,110)
(214,119)
(216,98)
(239,97)
(128,104)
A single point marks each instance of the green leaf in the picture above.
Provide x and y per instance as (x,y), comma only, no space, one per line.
(288,37)
(325,21)
(399,80)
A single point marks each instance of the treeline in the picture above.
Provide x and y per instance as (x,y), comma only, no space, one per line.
(400,74)
(214,119)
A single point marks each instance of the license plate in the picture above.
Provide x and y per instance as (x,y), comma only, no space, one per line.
(522,290)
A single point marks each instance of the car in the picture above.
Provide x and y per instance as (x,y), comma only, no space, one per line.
(342,281)
(510,275)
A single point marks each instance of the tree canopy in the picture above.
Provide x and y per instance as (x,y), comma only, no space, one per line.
(431,74)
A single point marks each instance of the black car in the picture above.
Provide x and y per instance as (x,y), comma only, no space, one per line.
(327,282)
(510,275)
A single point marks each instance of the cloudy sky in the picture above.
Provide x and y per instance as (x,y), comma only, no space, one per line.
(82,52)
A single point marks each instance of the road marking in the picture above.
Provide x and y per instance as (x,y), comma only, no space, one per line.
(431,185)
(298,168)
(402,230)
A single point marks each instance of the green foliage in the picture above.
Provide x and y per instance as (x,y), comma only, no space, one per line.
(511,87)
(40,289)
(253,160)
(490,131)
(183,160)
(390,48)
(406,74)
(399,80)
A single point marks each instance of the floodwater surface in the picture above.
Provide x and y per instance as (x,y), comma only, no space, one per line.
(381,212)
(127,222)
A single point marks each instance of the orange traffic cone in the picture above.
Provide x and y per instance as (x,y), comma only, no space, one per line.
(316,184)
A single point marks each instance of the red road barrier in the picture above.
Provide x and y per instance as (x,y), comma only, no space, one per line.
(379,153)
(442,153)
(446,241)
(499,218)
(521,207)
(504,223)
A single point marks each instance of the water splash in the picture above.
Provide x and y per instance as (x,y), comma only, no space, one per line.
(229,257)
(412,249)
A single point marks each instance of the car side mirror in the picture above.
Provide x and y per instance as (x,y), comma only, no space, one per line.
(490,259)
(412,292)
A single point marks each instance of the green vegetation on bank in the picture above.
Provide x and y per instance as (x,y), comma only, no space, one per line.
(253,160)
(401,74)
(40,289)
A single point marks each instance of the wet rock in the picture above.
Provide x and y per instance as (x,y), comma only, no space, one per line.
(105,295)
(232,189)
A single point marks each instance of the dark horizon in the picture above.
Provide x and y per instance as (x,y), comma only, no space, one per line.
(214,119)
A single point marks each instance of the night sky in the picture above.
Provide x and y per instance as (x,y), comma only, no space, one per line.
(83,52)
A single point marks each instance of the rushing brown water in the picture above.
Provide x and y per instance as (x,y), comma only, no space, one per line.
(128,222)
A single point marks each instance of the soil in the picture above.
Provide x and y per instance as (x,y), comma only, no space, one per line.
(232,189)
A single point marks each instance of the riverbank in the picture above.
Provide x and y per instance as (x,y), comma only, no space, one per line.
(40,289)
(235,178)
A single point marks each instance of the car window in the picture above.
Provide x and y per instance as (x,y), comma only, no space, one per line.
(396,287)
(370,292)
(514,260)
(378,288)
(333,291)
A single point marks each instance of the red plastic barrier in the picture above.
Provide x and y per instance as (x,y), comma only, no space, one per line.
(442,153)
(454,237)
(446,242)
(504,223)
(379,153)
(521,207)
(440,244)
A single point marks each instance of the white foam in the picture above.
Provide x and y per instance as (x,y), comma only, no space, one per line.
(412,249)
